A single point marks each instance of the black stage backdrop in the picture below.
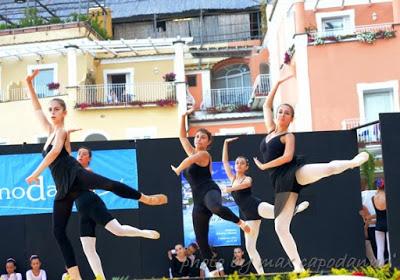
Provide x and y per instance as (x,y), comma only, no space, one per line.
(328,234)
(390,131)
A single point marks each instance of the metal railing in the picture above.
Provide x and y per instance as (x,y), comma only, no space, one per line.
(99,95)
(262,85)
(17,94)
(350,123)
(350,32)
(223,97)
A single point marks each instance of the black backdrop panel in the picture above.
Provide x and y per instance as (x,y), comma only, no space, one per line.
(390,131)
(329,230)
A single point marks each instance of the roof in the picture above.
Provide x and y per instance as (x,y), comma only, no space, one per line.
(132,8)
(120,8)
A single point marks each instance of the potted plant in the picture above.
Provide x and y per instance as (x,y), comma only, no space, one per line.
(169,77)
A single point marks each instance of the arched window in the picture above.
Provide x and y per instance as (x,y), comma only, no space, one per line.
(232,76)
(96,137)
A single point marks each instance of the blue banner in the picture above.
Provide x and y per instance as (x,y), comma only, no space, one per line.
(221,232)
(18,198)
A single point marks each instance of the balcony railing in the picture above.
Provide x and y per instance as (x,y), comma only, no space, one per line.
(100,95)
(261,88)
(17,94)
(349,33)
(350,123)
(366,133)
(227,99)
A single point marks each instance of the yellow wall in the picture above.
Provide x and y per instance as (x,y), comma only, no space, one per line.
(147,71)
(18,123)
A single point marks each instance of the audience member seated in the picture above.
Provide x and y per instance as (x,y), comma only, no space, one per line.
(238,264)
(180,264)
(217,272)
(11,266)
(193,254)
(35,273)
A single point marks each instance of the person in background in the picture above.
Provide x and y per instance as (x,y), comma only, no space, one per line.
(238,264)
(11,266)
(180,264)
(35,273)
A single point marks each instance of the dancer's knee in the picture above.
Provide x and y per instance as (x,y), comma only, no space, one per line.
(281,228)
(217,210)
(59,233)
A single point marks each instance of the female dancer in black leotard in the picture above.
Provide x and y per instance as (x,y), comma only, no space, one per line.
(92,212)
(251,207)
(288,172)
(70,177)
(381,230)
(207,198)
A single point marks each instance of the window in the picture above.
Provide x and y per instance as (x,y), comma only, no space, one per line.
(232,76)
(377,101)
(336,23)
(47,75)
(161,26)
(119,85)
(96,137)
(375,98)
(191,80)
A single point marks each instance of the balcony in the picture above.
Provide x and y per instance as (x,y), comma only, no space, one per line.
(21,93)
(126,95)
(226,103)
(261,88)
(362,33)
(350,123)
(369,133)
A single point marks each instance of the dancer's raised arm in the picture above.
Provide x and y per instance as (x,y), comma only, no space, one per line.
(60,136)
(189,149)
(35,102)
(225,158)
(269,104)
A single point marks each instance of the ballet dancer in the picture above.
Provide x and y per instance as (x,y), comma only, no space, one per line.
(69,176)
(207,198)
(251,207)
(288,172)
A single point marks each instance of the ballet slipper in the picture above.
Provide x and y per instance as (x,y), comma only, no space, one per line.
(301,207)
(155,199)
(359,159)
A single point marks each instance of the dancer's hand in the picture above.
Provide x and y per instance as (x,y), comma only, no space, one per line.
(175,169)
(258,163)
(228,140)
(225,189)
(189,111)
(32,179)
(72,130)
(30,78)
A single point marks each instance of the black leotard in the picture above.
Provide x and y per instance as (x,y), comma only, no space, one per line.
(248,204)
(381,220)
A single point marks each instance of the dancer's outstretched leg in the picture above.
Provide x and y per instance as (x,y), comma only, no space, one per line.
(117,229)
(311,173)
(266,210)
(86,179)
(251,243)
(282,228)
(213,201)
(89,248)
